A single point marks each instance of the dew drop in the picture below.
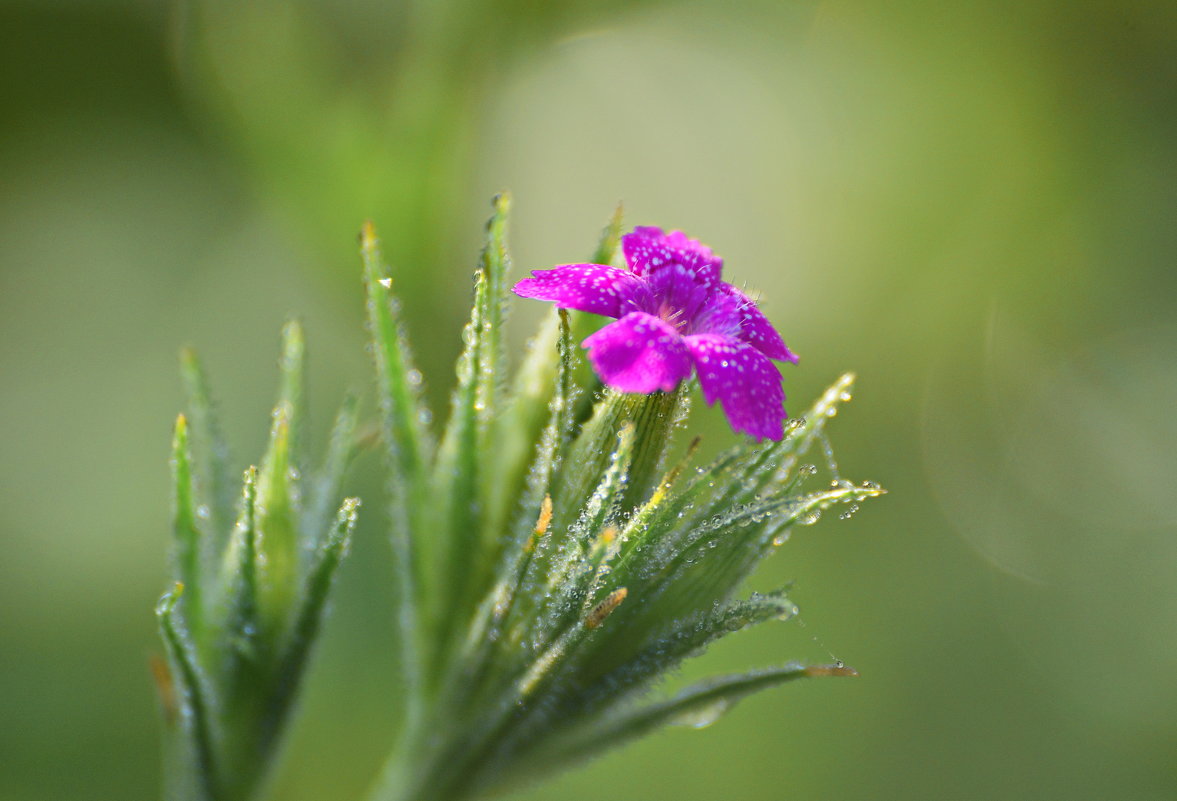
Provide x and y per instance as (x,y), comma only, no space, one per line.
(413,377)
(788,613)
(203,512)
(701,717)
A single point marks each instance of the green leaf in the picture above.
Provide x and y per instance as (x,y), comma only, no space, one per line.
(214,483)
(697,706)
(550,447)
(558,584)
(625,665)
(463,563)
(241,569)
(408,447)
(398,381)
(654,417)
(532,524)
(314,600)
(277,523)
(188,540)
(523,421)
(584,325)
(329,481)
(195,699)
(292,386)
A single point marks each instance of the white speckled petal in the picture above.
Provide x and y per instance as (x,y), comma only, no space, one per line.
(594,288)
(639,353)
(744,380)
(751,326)
(648,249)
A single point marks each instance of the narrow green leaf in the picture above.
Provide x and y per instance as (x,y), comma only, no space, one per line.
(408,447)
(195,695)
(610,240)
(768,469)
(188,540)
(621,667)
(550,447)
(277,523)
(314,601)
(655,416)
(556,589)
(531,525)
(697,706)
(292,387)
(523,422)
(594,681)
(496,263)
(466,552)
(767,526)
(329,480)
(584,325)
(398,381)
(241,570)
(215,493)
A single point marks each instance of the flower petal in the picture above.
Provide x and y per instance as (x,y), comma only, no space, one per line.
(594,288)
(747,323)
(639,353)
(647,249)
(744,380)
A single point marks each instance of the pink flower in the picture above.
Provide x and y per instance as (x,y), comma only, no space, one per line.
(674,314)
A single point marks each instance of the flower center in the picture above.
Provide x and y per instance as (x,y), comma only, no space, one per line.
(673,315)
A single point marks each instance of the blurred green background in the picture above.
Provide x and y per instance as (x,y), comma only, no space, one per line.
(974,206)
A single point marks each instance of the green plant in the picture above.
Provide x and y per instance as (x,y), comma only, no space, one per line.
(556,554)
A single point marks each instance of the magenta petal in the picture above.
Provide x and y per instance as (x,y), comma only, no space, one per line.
(594,288)
(648,249)
(744,380)
(639,353)
(754,328)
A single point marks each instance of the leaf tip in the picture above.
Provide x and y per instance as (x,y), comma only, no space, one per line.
(367,234)
(501,202)
(837,669)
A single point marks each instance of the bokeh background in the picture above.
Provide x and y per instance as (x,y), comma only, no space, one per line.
(972,205)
